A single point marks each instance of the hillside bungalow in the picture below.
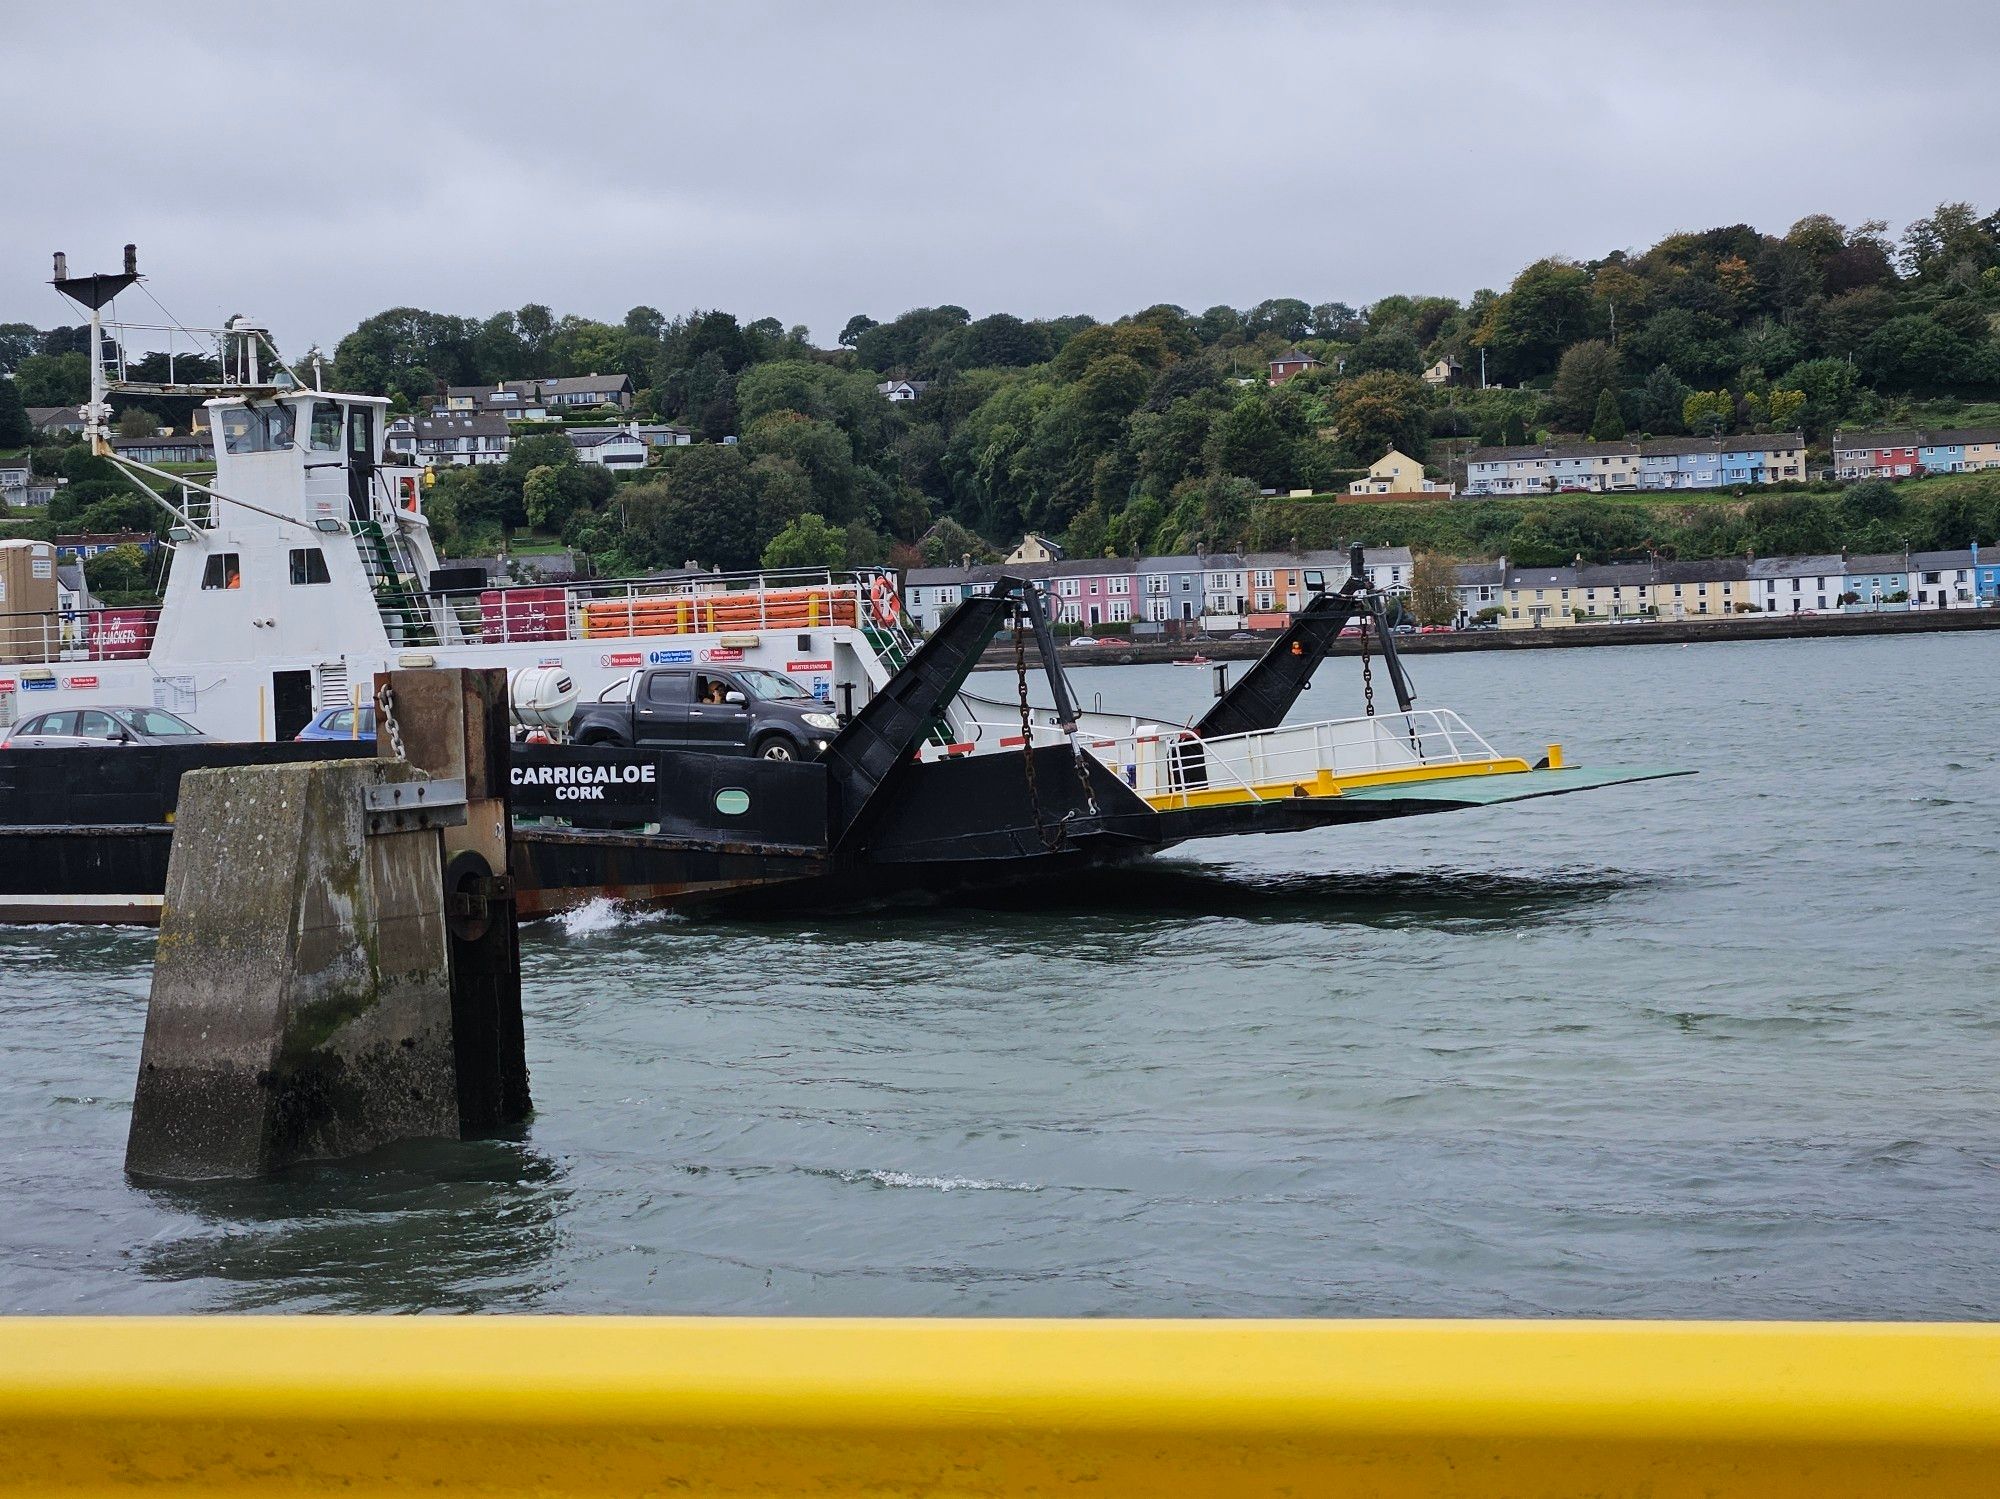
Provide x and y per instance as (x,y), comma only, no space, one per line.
(86,544)
(1395,473)
(581,391)
(52,420)
(193,448)
(1447,371)
(1033,551)
(1291,362)
(454,440)
(16,474)
(900,391)
(517,400)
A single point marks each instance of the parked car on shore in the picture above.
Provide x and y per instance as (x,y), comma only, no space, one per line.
(74,728)
(1085,640)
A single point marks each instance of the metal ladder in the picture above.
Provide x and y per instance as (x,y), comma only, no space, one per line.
(386,561)
(894,644)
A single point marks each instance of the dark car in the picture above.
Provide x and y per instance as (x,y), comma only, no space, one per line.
(341,723)
(74,728)
(720,711)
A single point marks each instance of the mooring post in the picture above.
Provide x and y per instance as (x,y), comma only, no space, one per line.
(453,725)
(330,974)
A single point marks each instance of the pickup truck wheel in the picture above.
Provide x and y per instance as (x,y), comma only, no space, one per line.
(775,747)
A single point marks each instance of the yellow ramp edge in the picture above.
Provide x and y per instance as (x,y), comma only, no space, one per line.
(612,1406)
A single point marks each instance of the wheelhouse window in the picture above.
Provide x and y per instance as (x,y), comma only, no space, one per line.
(325,432)
(222,570)
(257,429)
(308,565)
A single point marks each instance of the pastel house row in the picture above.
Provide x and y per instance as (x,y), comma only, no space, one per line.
(1656,463)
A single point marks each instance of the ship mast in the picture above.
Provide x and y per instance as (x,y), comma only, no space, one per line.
(237,345)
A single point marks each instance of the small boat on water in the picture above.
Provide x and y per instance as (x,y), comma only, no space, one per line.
(1196,660)
(303,568)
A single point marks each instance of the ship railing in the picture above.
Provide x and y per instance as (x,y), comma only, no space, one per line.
(1174,767)
(63,635)
(621,609)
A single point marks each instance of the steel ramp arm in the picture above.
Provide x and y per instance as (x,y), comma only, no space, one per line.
(1264,694)
(892,724)
(1398,678)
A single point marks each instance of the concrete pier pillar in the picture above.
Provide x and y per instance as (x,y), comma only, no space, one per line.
(337,964)
(301,1003)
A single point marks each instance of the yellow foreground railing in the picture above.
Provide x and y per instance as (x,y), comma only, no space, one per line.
(590,1406)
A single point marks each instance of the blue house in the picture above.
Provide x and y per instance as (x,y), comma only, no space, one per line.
(1985,576)
(1941,455)
(1876,581)
(1170,589)
(1679,463)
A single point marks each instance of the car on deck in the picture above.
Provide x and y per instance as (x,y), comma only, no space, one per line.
(341,723)
(95,728)
(743,710)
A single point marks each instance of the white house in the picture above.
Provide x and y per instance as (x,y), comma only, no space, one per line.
(1797,585)
(902,390)
(1942,580)
(1507,471)
(612,447)
(453,440)
(1481,586)
(1225,601)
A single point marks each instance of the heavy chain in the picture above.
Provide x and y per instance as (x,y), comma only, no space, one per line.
(385,712)
(1050,841)
(1367,672)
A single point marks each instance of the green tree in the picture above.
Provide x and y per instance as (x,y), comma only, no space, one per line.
(1525,330)
(1586,372)
(1660,401)
(137,421)
(1379,411)
(1782,408)
(542,497)
(1608,424)
(53,379)
(1433,589)
(118,573)
(1249,442)
(1709,412)
(14,426)
(808,541)
(1513,431)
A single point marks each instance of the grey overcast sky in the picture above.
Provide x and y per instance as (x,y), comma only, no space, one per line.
(314,164)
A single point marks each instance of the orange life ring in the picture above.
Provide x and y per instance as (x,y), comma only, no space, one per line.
(882,600)
(409,489)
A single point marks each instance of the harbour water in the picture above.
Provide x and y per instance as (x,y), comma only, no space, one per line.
(1718,1046)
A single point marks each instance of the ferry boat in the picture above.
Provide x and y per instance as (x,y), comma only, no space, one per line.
(305,566)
